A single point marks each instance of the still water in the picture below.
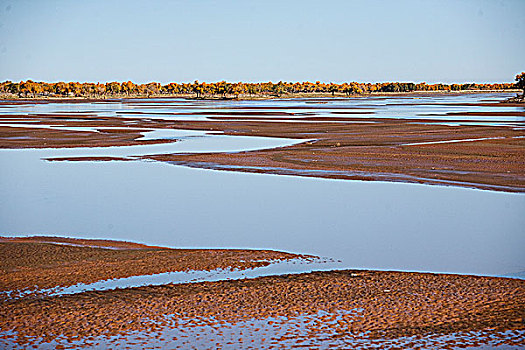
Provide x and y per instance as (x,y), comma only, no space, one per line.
(371,225)
(365,224)
(435,107)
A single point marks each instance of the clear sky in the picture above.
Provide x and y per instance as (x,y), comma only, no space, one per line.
(290,40)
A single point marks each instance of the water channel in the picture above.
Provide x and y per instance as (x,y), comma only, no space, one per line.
(365,225)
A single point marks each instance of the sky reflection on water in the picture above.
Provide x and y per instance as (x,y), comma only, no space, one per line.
(365,224)
(433,107)
(374,225)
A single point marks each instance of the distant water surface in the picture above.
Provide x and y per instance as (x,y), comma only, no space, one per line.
(371,225)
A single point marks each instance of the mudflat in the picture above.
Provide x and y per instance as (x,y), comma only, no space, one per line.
(417,151)
(30,264)
(347,143)
(349,308)
(341,309)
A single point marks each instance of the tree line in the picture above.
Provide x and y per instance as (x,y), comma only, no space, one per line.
(225,89)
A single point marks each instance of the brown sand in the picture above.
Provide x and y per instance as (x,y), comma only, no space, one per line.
(16,137)
(337,308)
(48,262)
(341,307)
(386,150)
(344,147)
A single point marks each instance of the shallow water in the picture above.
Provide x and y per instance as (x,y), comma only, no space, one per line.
(370,225)
(304,331)
(433,107)
(365,224)
(293,266)
(183,144)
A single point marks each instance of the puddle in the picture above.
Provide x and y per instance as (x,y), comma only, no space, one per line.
(293,266)
(320,330)
(173,134)
(459,140)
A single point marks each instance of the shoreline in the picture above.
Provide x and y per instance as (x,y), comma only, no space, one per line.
(344,144)
(263,97)
(348,305)
(417,151)
(58,262)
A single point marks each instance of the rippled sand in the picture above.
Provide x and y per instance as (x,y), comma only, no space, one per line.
(350,308)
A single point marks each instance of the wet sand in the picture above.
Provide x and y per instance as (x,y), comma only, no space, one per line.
(490,158)
(340,145)
(484,157)
(340,309)
(36,263)
(50,131)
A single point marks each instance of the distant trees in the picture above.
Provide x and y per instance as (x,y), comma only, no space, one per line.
(128,88)
(520,82)
(152,88)
(333,88)
(238,89)
(278,89)
(75,89)
(400,87)
(197,88)
(225,89)
(113,88)
(352,89)
(251,89)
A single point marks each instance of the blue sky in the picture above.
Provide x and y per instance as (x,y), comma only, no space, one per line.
(330,41)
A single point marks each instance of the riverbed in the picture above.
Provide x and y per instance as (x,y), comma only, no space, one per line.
(368,225)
